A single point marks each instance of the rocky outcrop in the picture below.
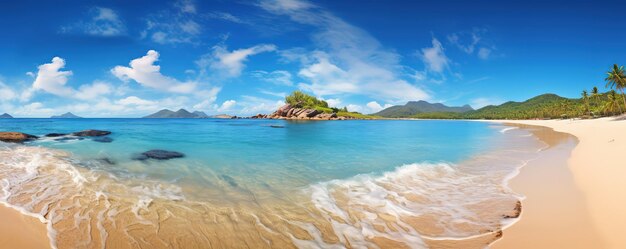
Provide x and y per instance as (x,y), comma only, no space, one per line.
(16,137)
(91,133)
(159,155)
(55,134)
(289,112)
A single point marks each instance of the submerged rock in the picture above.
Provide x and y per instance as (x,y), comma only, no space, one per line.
(16,137)
(55,134)
(62,139)
(106,160)
(102,139)
(231,181)
(91,133)
(159,155)
(277,126)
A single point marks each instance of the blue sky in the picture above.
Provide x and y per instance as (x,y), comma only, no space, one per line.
(121,59)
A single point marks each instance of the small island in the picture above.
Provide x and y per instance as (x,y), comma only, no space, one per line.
(181,113)
(6,115)
(66,115)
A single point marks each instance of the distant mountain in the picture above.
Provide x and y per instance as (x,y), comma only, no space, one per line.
(413,108)
(6,115)
(182,113)
(66,115)
(200,114)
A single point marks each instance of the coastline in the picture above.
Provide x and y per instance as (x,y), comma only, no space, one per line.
(583,210)
(555,199)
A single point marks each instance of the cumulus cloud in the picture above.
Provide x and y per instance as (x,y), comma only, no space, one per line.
(144,71)
(102,22)
(278,77)
(227,106)
(348,59)
(231,63)
(370,107)
(52,79)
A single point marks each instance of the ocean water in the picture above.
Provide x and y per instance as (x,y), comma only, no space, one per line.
(244,183)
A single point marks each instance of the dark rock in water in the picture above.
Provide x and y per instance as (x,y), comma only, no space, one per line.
(62,139)
(55,134)
(16,137)
(91,133)
(277,126)
(106,160)
(229,180)
(159,155)
(102,139)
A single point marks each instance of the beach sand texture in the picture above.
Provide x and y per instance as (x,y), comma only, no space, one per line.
(555,214)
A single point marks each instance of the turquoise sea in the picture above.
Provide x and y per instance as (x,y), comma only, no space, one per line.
(268,183)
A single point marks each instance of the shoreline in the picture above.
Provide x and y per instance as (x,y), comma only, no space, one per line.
(573,204)
(527,228)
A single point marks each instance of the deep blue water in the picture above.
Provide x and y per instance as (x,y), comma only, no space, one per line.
(249,153)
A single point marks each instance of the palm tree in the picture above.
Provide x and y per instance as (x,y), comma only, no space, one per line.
(617,80)
(586,100)
(612,105)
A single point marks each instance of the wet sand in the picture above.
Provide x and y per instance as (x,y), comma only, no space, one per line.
(578,203)
(21,231)
(554,213)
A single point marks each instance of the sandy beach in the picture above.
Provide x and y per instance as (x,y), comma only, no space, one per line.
(21,231)
(580,206)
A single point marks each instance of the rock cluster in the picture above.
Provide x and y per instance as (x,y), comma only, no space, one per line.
(289,112)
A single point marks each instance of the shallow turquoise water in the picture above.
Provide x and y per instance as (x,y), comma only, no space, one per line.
(246,180)
(252,152)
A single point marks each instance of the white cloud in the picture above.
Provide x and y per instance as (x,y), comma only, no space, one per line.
(144,71)
(348,59)
(474,40)
(333,102)
(370,107)
(134,100)
(226,17)
(253,105)
(6,93)
(176,25)
(209,98)
(484,53)
(434,57)
(35,109)
(102,22)
(478,103)
(227,106)
(278,77)
(51,79)
(93,91)
(231,63)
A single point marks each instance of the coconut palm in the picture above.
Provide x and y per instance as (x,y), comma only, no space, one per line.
(612,105)
(586,100)
(617,80)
